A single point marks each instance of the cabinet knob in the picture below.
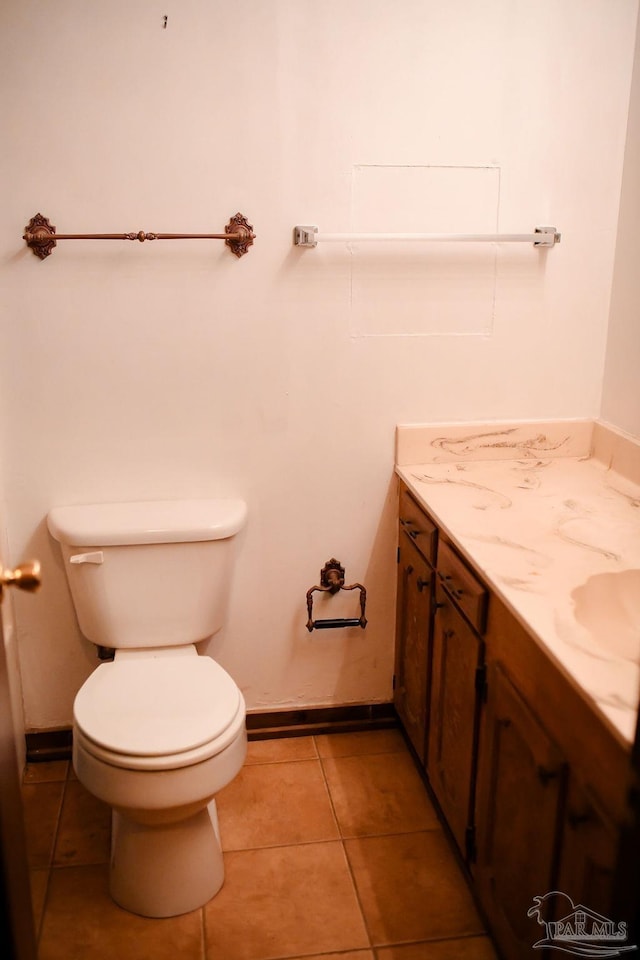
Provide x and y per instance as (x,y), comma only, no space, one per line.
(421,584)
(545,775)
(576,819)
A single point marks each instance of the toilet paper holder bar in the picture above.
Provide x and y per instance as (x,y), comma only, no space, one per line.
(332,581)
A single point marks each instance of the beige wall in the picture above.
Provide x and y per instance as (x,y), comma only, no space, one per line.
(173,370)
(621,391)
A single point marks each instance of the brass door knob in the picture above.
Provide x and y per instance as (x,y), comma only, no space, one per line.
(25,577)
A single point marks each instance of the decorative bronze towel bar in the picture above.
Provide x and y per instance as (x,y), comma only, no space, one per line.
(41,235)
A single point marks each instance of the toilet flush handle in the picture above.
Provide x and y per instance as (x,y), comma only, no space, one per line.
(96,557)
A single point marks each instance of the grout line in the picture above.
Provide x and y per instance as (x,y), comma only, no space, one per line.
(43,911)
(203,933)
(348,951)
(79,866)
(365,753)
(339,839)
(357,893)
(330,797)
(52,852)
(283,846)
(267,763)
(460,936)
(401,749)
(85,863)
(453,938)
(346,858)
(56,830)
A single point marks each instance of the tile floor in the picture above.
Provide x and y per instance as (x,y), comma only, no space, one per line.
(332,850)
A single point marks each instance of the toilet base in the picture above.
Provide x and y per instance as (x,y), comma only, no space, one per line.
(166,870)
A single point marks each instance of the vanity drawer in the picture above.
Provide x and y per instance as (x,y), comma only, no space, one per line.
(462,586)
(417,526)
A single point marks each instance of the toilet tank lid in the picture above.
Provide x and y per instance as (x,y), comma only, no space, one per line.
(154,521)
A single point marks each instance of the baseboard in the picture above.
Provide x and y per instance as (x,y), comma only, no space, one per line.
(46,745)
(301,723)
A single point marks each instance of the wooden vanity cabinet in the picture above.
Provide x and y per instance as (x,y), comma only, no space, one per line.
(551,793)
(413,638)
(531,781)
(456,692)
(539,828)
(521,778)
(412,677)
(588,852)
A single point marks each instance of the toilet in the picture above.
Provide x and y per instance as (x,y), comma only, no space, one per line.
(158,730)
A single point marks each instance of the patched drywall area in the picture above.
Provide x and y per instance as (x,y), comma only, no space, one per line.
(424,288)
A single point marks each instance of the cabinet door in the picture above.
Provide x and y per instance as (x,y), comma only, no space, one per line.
(413,636)
(457,652)
(588,853)
(520,785)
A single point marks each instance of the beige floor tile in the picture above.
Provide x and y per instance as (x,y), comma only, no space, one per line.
(411,888)
(365,741)
(82,923)
(38,881)
(284,902)
(41,806)
(377,794)
(284,748)
(471,948)
(50,770)
(84,834)
(276,803)
(279,899)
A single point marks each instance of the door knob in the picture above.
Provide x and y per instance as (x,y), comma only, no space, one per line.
(25,577)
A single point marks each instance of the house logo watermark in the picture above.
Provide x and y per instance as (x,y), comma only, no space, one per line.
(576,929)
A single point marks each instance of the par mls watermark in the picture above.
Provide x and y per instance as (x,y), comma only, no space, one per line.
(574,928)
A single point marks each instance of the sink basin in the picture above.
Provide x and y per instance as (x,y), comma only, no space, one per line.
(608,606)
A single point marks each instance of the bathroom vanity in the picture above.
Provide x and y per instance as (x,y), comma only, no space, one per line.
(516,674)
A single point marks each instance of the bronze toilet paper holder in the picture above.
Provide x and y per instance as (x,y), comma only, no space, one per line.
(332,581)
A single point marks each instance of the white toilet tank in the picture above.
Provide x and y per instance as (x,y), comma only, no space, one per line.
(149,574)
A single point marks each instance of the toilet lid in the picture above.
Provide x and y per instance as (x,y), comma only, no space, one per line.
(153,707)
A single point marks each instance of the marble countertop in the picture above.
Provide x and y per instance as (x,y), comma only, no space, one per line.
(554,529)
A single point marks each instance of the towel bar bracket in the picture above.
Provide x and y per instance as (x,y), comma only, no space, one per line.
(305,236)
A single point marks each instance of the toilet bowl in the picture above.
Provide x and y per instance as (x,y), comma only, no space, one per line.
(159,730)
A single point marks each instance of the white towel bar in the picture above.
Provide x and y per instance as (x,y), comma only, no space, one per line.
(541,237)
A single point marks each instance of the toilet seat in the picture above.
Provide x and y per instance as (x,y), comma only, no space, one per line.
(168,762)
(158,713)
